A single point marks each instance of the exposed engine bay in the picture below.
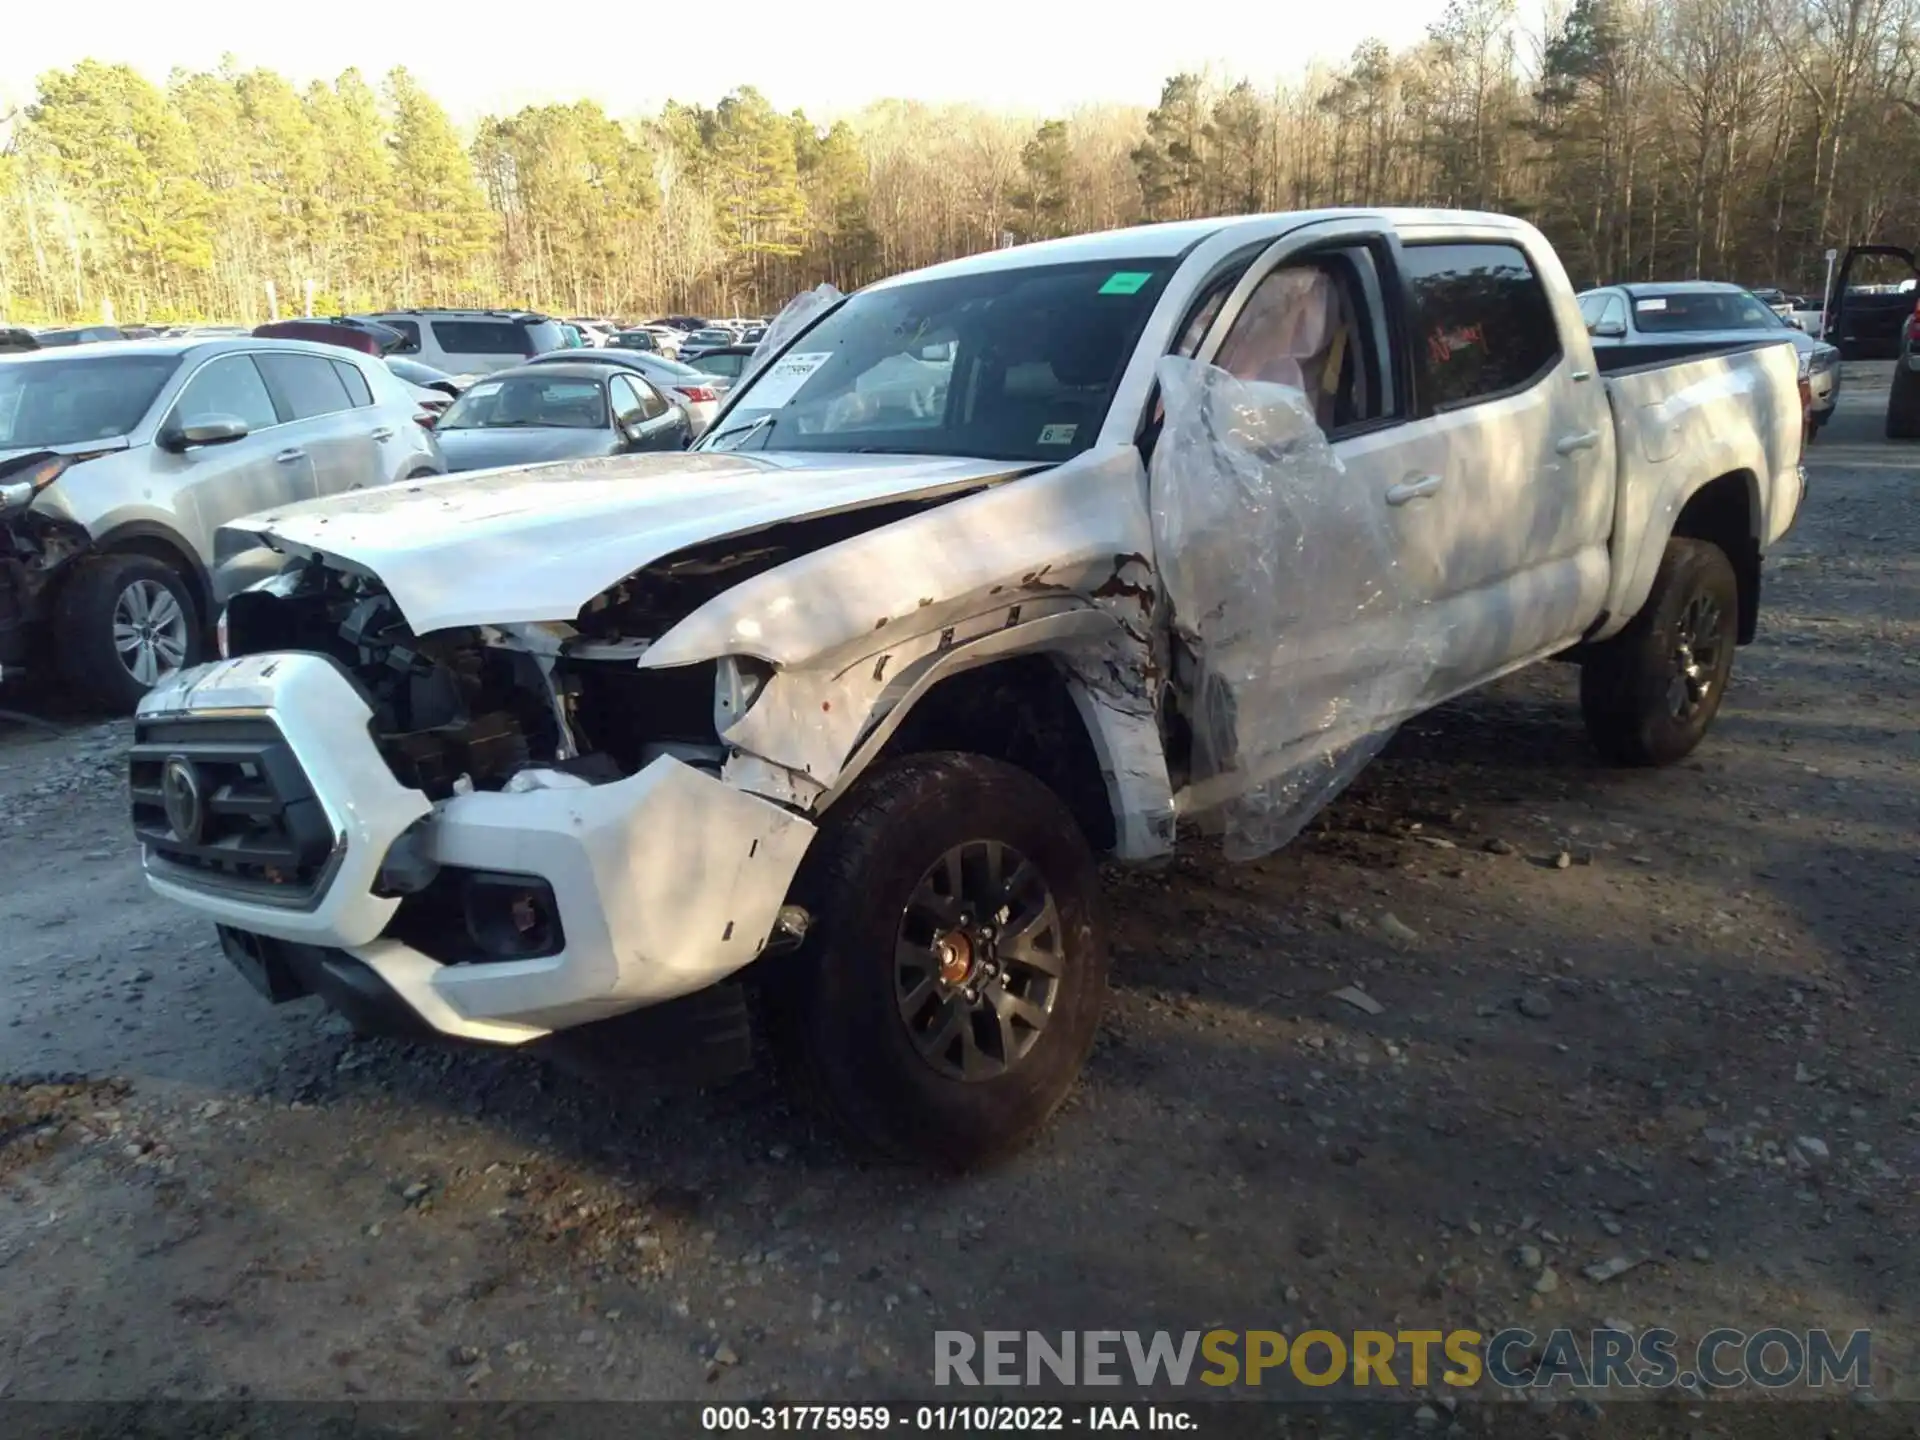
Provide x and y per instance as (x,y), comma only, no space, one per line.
(470,708)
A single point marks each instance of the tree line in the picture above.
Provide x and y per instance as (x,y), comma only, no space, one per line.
(1731,139)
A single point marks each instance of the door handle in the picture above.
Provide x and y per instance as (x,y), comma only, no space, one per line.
(1416,489)
(1585,440)
(385,432)
(287,457)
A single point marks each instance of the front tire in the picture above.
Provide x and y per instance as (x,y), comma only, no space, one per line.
(123,624)
(956,968)
(1649,694)
(1903,404)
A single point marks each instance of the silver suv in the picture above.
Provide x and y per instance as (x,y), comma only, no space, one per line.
(118,463)
(473,342)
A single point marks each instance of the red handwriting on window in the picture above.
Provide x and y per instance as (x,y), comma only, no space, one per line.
(1443,345)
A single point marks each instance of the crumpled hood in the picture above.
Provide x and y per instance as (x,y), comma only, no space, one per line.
(483,449)
(538,542)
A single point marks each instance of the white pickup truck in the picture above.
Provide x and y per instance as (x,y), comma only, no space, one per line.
(993,568)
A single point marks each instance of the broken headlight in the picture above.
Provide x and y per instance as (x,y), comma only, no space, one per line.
(29,480)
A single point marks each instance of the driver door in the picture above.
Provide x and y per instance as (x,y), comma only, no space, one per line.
(264,468)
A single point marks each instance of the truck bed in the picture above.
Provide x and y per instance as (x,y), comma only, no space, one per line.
(1689,413)
(1640,356)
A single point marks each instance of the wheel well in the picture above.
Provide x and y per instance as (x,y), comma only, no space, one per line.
(1017,710)
(1724,512)
(158,547)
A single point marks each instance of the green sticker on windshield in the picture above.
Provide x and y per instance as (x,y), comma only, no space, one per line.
(1125,282)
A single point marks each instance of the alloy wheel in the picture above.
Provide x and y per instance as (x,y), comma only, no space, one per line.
(978,960)
(149,631)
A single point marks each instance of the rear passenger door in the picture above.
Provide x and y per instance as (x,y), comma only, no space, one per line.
(371,444)
(318,411)
(1505,477)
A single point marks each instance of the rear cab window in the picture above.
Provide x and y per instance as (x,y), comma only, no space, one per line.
(1482,321)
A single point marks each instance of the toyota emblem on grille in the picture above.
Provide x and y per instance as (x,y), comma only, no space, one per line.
(180,793)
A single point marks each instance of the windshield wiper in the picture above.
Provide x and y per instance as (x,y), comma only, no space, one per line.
(765,422)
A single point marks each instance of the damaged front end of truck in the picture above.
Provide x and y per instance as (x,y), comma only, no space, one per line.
(599,799)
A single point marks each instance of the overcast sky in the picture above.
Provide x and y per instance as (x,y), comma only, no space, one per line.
(829,58)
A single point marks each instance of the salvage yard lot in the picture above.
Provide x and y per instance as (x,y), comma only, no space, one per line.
(1667,1017)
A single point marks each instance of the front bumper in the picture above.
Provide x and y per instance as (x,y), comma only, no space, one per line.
(664,882)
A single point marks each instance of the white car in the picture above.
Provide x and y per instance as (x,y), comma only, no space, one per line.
(843,703)
(433,389)
(471,343)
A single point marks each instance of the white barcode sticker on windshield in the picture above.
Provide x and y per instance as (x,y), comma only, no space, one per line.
(1652,302)
(484,389)
(1058,434)
(784,378)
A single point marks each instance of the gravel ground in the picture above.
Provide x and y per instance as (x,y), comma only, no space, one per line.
(1665,1018)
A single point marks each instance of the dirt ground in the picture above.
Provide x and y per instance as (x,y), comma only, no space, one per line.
(1665,1017)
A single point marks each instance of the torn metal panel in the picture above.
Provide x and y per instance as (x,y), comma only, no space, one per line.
(1132,754)
(1070,530)
(1306,646)
(811,719)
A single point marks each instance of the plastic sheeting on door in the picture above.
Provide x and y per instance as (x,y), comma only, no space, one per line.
(794,316)
(1283,582)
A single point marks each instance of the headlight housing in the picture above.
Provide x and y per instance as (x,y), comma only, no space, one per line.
(18,493)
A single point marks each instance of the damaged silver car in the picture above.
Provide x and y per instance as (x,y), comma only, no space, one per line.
(119,463)
(984,572)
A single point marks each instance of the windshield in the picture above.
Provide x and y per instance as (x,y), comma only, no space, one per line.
(561,402)
(1701,310)
(69,401)
(1006,365)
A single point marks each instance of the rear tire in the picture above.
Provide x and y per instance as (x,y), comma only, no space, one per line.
(1903,405)
(1650,694)
(942,1042)
(122,624)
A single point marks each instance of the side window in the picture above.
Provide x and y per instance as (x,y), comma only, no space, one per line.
(652,404)
(1482,323)
(1307,326)
(483,337)
(227,386)
(1615,313)
(1591,308)
(358,390)
(304,385)
(410,329)
(628,408)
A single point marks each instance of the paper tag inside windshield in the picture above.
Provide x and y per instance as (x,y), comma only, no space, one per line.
(785,377)
(484,389)
(1657,302)
(1058,434)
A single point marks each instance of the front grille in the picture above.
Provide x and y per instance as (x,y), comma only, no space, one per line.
(262,832)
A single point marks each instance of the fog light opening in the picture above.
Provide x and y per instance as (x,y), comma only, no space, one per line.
(512,918)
